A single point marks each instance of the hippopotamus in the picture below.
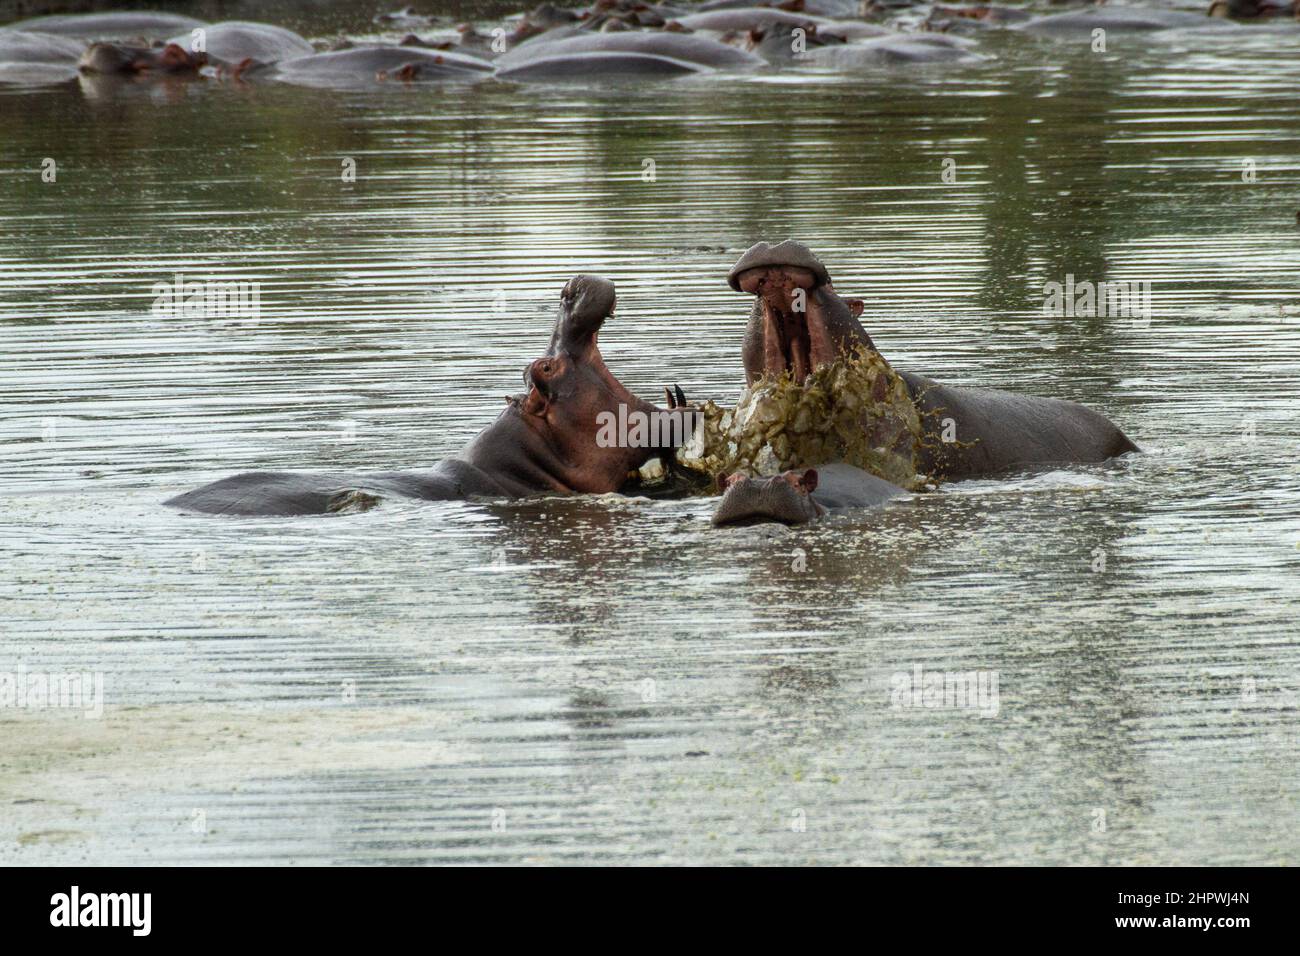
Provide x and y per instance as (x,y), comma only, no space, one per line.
(406,18)
(545,441)
(364,65)
(624,15)
(745,19)
(1255,9)
(1118,20)
(974,19)
(144,25)
(634,52)
(30,57)
(782,43)
(898,48)
(238,42)
(111,57)
(993,430)
(479,43)
(820,8)
(799,496)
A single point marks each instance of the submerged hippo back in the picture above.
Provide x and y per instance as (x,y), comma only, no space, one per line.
(30,47)
(364,64)
(696,52)
(238,40)
(148,26)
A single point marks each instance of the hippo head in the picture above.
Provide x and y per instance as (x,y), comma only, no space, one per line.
(1250,9)
(786,498)
(129,58)
(593,429)
(798,322)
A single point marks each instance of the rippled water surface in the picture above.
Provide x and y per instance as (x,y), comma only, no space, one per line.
(589,680)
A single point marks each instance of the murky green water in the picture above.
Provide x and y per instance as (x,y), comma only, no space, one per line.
(590,680)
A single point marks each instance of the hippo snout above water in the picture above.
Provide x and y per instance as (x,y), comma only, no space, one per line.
(799,496)
(110,57)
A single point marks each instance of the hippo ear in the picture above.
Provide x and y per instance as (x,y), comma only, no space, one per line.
(722,482)
(808,481)
(856,306)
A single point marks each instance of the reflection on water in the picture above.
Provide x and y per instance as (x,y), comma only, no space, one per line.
(603,679)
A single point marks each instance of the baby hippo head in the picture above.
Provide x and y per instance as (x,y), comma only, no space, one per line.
(786,498)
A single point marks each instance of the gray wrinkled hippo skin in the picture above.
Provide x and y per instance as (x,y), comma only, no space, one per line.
(362,66)
(234,41)
(995,430)
(583,67)
(147,26)
(544,440)
(897,49)
(784,44)
(29,57)
(632,52)
(744,19)
(1000,431)
(798,497)
(1120,20)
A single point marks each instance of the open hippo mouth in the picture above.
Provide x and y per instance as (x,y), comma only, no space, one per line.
(593,431)
(798,322)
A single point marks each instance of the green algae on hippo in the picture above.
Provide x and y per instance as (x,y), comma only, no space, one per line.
(856,409)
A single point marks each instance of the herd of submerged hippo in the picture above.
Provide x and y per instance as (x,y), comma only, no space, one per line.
(824,423)
(610,38)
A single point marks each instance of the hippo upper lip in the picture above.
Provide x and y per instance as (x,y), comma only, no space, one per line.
(585,304)
(788,253)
